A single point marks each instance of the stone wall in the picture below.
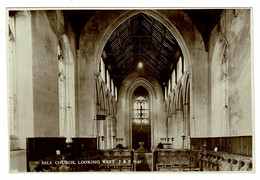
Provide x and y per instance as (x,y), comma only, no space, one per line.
(235,28)
(45,76)
(36,61)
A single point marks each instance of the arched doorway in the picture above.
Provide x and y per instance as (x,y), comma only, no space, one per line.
(141,122)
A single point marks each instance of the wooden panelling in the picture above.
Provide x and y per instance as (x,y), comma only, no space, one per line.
(45,147)
(241,145)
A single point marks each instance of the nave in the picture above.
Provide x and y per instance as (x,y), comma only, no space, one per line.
(130,90)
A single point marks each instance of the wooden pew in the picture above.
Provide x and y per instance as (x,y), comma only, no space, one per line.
(175,160)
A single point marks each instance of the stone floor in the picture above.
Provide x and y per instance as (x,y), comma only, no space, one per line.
(143,161)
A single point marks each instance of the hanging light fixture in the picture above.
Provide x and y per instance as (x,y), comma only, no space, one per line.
(140,65)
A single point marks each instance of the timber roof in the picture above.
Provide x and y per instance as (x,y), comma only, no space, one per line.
(144,39)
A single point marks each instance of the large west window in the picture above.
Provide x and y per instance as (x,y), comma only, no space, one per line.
(141,119)
(141,111)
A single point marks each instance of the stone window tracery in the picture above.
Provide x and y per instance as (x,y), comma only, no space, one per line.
(141,111)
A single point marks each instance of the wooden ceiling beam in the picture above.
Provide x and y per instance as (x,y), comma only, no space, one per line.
(137,40)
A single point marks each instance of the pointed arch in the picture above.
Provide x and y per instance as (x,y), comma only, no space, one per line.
(173,109)
(169,108)
(152,96)
(108,103)
(114,108)
(186,90)
(103,100)
(98,96)
(179,98)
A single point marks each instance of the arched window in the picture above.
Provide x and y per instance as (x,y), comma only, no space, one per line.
(141,111)
(102,69)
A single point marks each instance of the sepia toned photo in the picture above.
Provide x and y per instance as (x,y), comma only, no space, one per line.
(130,90)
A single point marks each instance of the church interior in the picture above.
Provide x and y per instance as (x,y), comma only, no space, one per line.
(127,90)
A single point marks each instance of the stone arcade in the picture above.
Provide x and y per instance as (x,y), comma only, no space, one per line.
(130,90)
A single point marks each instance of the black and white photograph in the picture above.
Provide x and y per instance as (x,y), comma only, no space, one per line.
(126,90)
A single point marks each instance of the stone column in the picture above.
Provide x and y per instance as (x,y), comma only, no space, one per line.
(170,128)
(101,133)
(175,130)
(105,133)
(24,78)
(167,128)
(99,125)
(114,133)
(109,136)
(186,125)
(179,115)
